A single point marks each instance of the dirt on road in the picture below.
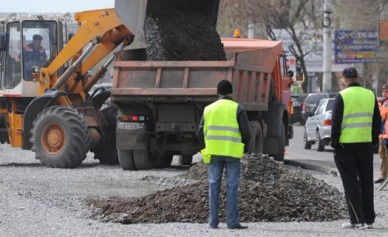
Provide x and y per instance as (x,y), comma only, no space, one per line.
(269,192)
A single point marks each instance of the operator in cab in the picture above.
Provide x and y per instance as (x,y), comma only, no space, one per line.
(34,54)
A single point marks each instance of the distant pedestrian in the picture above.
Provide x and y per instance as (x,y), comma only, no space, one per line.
(236,33)
(355,128)
(224,132)
(383,146)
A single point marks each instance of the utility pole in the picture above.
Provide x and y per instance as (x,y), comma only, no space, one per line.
(327,46)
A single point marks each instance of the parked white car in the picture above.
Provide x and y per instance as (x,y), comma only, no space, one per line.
(318,126)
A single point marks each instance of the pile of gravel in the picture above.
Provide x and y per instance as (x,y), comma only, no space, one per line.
(180,36)
(269,192)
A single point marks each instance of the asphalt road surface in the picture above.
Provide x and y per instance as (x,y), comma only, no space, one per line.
(324,159)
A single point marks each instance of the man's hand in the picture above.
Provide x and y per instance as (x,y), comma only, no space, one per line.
(333,144)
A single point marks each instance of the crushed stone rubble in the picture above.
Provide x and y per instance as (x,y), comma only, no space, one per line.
(180,36)
(269,192)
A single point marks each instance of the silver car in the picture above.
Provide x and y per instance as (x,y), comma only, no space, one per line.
(318,126)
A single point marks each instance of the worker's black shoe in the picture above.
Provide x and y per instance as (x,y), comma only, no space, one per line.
(380,180)
(239,227)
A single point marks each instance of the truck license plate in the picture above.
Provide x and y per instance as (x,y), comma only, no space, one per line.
(132,126)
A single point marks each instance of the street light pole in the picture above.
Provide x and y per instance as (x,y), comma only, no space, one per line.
(327,46)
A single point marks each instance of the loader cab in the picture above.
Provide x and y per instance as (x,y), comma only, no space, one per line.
(19,53)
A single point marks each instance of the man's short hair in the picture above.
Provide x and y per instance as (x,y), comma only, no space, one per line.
(37,37)
(350,72)
(224,87)
(385,87)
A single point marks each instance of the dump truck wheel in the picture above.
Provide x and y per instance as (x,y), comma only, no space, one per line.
(186,159)
(126,160)
(59,137)
(164,161)
(106,151)
(143,159)
(282,144)
(257,140)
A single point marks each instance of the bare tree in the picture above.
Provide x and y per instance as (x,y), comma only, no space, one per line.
(291,16)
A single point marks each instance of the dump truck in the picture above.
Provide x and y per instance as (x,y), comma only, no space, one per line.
(160,103)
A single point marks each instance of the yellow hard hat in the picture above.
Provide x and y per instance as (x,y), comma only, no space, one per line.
(237,33)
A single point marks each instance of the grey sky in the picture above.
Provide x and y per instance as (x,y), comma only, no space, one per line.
(53,6)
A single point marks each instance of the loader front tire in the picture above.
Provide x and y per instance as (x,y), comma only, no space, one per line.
(59,137)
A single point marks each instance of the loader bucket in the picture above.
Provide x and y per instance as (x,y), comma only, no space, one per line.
(132,12)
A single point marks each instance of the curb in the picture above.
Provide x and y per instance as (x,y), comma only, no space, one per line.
(311,167)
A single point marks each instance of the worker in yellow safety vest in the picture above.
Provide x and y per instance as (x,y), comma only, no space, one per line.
(224,133)
(355,129)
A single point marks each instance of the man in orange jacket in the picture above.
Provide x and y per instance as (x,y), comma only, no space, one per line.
(33,55)
(383,148)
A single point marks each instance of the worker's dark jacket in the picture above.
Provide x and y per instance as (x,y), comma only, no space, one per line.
(243,123)
(337,116)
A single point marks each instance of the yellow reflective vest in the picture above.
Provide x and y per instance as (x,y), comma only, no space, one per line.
(221,131)
(357,117)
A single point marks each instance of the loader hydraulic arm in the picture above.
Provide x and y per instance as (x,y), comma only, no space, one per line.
(100,28)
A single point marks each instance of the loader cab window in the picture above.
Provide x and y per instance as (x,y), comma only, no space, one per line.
(39,45)
(12,74)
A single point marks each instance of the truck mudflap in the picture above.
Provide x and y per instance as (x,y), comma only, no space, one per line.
(33,109)
(131,136)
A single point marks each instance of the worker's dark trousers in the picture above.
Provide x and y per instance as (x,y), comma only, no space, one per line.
(356,169)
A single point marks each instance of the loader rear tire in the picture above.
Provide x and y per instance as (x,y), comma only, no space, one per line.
(3,130)
(60,138)
(106,151)
(126,160)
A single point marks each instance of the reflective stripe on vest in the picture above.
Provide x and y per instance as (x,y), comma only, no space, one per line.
(357,117)
(221,130)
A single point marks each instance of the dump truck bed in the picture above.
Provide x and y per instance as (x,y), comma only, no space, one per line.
(250,67)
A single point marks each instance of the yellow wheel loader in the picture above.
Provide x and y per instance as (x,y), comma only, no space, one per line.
(44,99)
